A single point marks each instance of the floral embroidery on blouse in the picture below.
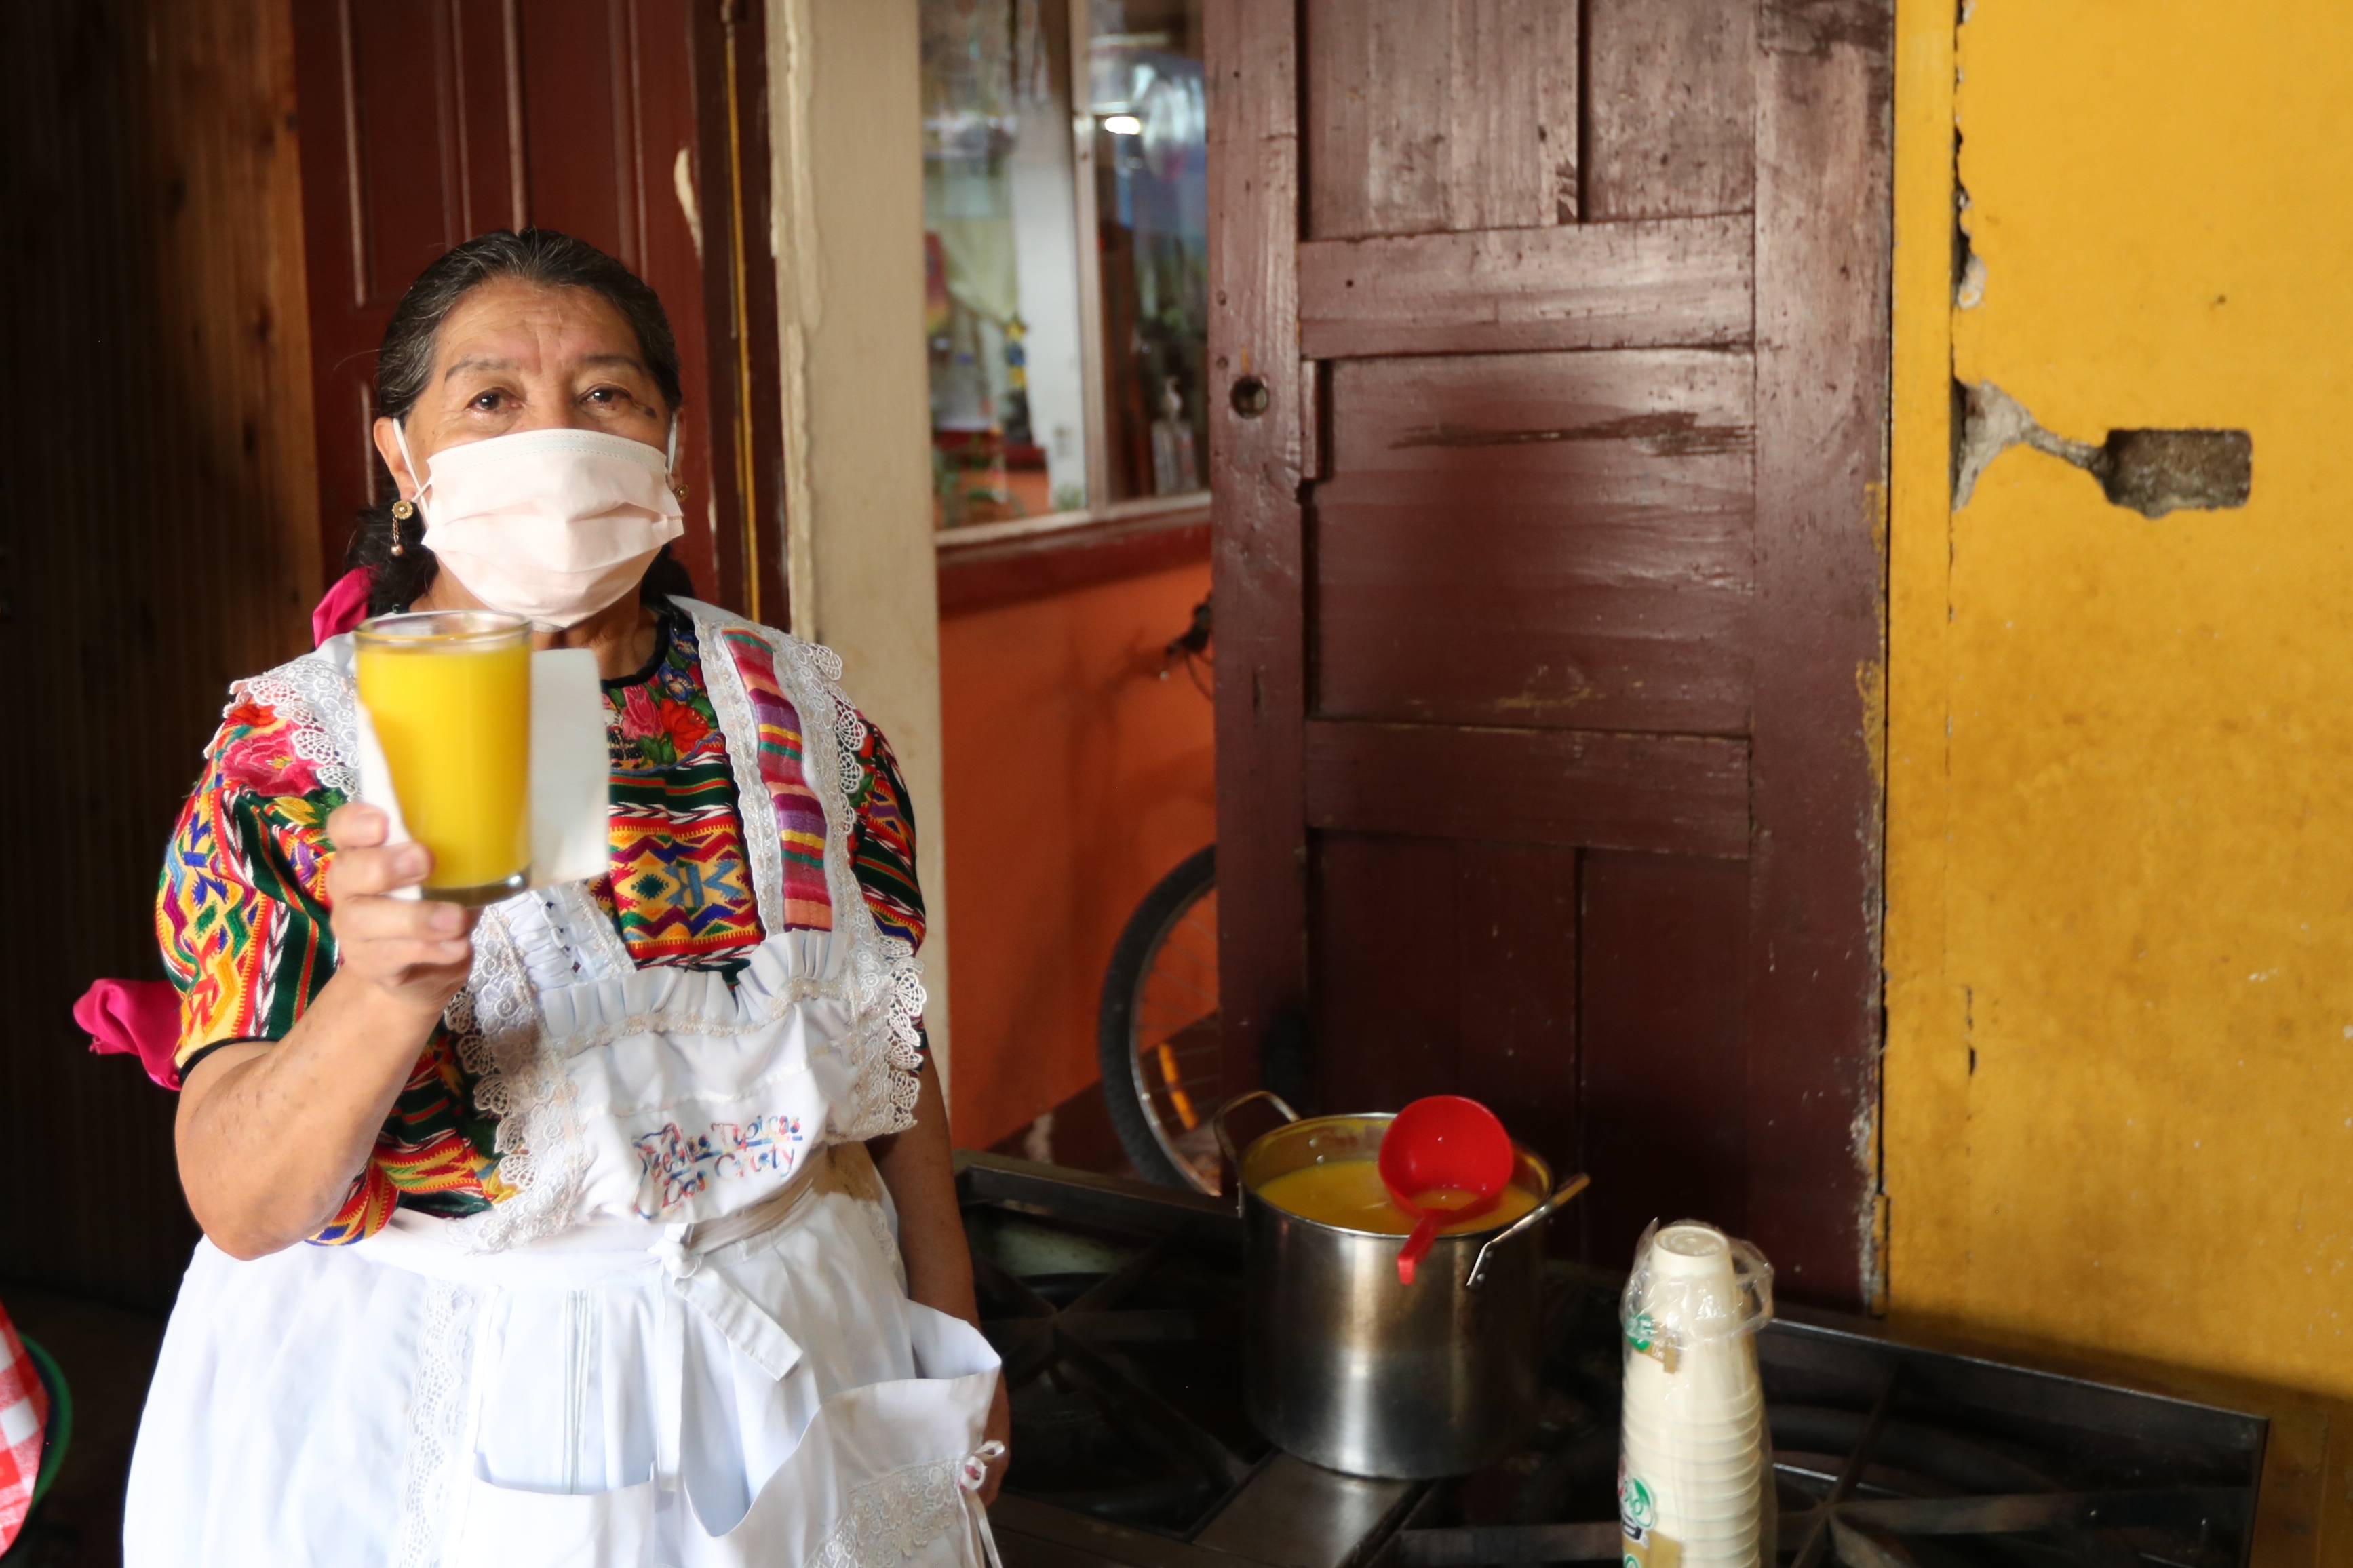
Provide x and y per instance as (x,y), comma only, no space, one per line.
(242,914)
(261,756)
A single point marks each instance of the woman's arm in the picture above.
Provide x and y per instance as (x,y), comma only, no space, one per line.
(920,1171)
(272,1135)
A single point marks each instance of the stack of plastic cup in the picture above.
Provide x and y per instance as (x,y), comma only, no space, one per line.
(1695,1472)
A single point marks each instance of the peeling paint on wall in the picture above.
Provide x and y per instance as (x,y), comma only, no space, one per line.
(1969,292)
(2151,471)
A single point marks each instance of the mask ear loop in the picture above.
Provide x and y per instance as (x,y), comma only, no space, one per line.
(404,508)
(677,485)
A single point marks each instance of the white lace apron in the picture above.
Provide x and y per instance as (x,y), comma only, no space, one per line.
(684,1340)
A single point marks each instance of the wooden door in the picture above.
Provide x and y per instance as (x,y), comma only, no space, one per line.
(1549,579)
(638,125)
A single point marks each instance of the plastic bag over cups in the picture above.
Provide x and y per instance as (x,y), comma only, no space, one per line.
(1695,1471)
(1675,1300)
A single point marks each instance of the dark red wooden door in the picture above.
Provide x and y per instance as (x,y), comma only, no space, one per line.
(1550,582)
(638,125)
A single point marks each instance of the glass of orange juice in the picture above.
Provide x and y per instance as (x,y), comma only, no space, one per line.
(449,694)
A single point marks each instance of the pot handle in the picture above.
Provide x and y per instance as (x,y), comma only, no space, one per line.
(1560,1194)
(1226,1138)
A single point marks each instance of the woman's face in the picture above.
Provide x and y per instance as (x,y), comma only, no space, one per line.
(514,356)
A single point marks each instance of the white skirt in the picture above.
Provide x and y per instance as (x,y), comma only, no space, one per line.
(599,1399)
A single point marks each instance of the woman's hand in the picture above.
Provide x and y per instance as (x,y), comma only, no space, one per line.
(415,952)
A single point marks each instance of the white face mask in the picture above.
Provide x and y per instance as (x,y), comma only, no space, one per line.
(551,525)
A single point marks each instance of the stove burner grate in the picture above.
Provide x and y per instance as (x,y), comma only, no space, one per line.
(1886,1456)
(1118,1412)
(1118,1311)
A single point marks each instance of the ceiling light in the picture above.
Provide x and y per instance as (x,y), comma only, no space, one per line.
(1123,125)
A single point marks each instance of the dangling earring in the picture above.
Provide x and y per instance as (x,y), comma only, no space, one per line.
(401,511)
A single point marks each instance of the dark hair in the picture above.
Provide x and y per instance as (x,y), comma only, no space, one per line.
(537,255)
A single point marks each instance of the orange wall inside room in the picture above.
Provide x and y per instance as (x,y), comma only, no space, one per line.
(1076,778)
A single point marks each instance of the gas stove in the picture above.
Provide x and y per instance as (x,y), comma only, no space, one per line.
(1118,1309)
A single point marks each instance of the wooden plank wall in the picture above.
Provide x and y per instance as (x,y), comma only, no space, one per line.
(156,477)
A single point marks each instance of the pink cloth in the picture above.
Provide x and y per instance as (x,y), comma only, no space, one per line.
(134,1018)
(344,606)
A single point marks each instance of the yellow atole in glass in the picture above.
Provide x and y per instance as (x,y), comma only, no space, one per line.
(449,694)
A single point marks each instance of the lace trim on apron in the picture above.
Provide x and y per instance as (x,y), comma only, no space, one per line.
(890,1518)
(497,1024)
(437,1420)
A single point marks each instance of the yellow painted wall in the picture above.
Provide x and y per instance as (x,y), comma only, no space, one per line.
(2119,1075)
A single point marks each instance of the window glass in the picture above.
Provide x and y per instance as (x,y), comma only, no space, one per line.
(1065,254)
(1150,116)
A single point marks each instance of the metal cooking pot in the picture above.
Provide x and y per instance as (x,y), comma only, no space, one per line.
(1351,1369)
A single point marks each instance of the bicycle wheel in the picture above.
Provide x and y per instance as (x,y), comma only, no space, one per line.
(1156,1030)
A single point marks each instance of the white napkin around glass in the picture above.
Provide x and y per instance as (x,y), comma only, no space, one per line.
(570,771)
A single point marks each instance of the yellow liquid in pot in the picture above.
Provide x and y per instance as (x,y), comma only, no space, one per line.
(1349,1194)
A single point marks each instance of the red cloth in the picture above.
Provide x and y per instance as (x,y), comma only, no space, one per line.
(344,606)
(134,1018)
(24,1419)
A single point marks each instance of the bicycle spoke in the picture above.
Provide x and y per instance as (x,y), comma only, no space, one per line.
(1208,994)
(1199,964)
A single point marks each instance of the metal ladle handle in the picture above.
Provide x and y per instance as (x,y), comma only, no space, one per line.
(1560,1194)
(1226,1138)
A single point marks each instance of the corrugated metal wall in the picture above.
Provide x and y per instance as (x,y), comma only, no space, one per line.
(157,539)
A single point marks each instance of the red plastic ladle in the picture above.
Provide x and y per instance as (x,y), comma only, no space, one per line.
(1443,1143)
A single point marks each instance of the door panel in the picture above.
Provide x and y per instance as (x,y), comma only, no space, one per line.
(1516,925)
(428,121)
(1473,125)
(1606,285)
(1665,1081)
(1550,586)
(1388,995)
(1449,966)
(1685,793)
(1543,541)
(408,172)
(1672,132)
(574,97)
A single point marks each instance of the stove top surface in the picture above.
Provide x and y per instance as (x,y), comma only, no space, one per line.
(1117,1308)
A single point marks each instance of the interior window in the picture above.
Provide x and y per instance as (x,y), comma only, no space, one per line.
(1066,256)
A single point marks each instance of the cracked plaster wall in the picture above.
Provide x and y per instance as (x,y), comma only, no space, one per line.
(2120,940)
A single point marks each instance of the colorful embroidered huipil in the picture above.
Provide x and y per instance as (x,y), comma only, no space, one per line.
(242,914)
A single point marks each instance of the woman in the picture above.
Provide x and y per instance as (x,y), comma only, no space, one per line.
(617,1227)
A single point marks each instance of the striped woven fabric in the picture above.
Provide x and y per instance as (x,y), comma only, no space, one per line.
(800,820)
(882,840)
(882,849)
(242,913)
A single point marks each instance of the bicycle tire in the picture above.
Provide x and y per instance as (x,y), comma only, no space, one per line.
(1131,961)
